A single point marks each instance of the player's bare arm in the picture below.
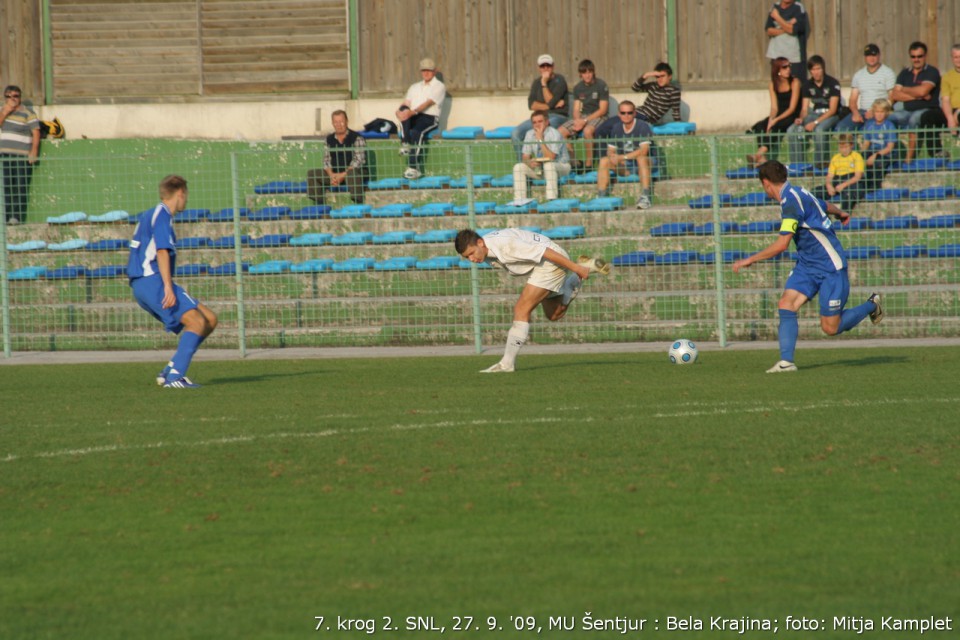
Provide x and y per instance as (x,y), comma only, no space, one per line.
(565,263)
(835,212)
(163,264)
(776,248)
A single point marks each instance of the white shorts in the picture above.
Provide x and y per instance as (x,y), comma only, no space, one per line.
(547,275)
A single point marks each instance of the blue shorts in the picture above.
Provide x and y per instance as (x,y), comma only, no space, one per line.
(834,288)
(148,293)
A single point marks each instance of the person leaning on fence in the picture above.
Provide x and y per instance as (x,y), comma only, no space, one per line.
(19,150)
(419,115)
(844,182)
(819,114)
(628,152)
(591,102)
(949,112)
(150,269)
(544,152)
(821,266)
(553,279)
(344,162)
(549,93)
(916,92)
(784,90)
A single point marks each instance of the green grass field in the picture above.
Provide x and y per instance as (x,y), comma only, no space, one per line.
(380,489)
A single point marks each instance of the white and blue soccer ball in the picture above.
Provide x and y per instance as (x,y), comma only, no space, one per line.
(683,351)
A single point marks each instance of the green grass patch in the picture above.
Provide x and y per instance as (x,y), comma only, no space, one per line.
(615,484)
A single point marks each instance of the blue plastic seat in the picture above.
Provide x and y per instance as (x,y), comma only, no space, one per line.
(590,177)
(462,133)
(228,269)
(855,224)
(108,271)
(65,273)
(480,180)
(310,212)
(733,255)
(922,165)
(762,226)
(388,184)
(74,244)
(351,211)
(374,135)
(754,199)
(438,262)
(68,218)
(271,240)
(29,245)
(185,270)
(946,221)
(502,182)
(677,257)
(226,214)
(479,208)
(634,259)
(560,205)
(897,222)
(500,133)
(394,237)
(184,243)
(436,235)
(430,182)
(706,202)
(192,215)
(114,216)
(945,251)
(742,173)
(904,251)
(271,266)
(886,195)
(316,265)
(511,208)
(280,186)
(862,253)
(799,169)
(269,214)
(397,263)
(566,232)
(311,240)
(707,229)
(352,238)
(672,229)
(228,242)
(540,182)
(675,129)
(433,209)
(354,264)
(932,193)
(602,204)
(466,264)
(27,273)
(396,210)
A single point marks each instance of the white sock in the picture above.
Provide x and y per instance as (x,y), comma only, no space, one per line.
(516,338)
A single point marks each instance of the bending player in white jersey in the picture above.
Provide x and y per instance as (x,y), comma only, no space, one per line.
(553,279)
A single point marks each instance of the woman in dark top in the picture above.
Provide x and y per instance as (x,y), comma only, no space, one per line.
(784,108)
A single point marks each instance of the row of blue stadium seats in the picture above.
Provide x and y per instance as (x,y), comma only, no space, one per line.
(402,263)
(946,221)
(564,232)
(640,258)
(758,199)
(920,165)
(503,133)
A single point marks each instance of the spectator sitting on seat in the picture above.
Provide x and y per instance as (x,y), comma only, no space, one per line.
(662,94)
(547,93)
(847,169)
(344,163)
(591,100)
(543,150)
(821,100)
(917,91)
(419,115)
(788,26)
(784,90)
(870,83)
(879,145)
(628,152)
(949,112)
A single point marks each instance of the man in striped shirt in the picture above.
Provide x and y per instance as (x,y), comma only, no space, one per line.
(821,264)
(662,94)
(19,148)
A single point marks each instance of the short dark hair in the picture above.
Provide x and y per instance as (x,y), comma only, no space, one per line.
(12,87)
(772,171)
(586,65)
(171,184)
(629,102)
(813,61)
(339,112)
(464,239)
(663,66)
(918,45)
(541,112)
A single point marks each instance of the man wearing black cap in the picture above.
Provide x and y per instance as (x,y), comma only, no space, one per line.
(871,83)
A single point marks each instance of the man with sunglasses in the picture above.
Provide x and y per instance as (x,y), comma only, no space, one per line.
(628,152)
(547,93)
(916,92)
(870,83)
(19,149)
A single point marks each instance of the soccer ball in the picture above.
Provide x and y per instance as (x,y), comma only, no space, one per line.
(682,351)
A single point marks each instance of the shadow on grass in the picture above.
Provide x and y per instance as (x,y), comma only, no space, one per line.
(261,377)
(860,362)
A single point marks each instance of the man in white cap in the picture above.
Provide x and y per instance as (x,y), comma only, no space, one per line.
(547,93)
(419,115)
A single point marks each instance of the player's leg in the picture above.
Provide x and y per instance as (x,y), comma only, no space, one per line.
(788,329)
(834,322)
(530,297)
(197,322)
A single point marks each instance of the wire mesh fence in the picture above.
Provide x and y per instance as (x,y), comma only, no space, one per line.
(283,265)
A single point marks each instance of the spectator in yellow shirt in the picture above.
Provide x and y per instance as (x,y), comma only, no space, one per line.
(842,185)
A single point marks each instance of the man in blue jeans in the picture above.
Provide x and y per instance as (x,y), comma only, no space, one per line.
(547,93)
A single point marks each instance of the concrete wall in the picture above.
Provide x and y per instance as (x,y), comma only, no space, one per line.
(713,111)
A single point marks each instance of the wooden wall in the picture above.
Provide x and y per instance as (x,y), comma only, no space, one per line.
(116,50)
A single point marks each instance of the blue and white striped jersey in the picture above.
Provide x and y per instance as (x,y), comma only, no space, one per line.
(805,216)
(154,231)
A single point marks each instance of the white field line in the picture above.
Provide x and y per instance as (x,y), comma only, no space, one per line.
(709,409)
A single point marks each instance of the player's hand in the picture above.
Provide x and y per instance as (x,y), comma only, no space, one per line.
(740,264)
(169,298)
(581,271)
(844,218)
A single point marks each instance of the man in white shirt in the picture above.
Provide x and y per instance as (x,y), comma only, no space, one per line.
(871,83)
(419,115)
(543,151)
(553,279)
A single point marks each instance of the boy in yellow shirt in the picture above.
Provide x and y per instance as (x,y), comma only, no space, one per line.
(843,185)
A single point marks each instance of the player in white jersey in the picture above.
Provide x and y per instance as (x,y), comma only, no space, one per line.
(152,263)
(553,279)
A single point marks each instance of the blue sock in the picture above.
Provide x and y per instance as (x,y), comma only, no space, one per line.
(185,349)
(852,317)
(789,328)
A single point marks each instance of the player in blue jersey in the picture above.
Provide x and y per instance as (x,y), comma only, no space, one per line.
(821,263)
(153,261)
